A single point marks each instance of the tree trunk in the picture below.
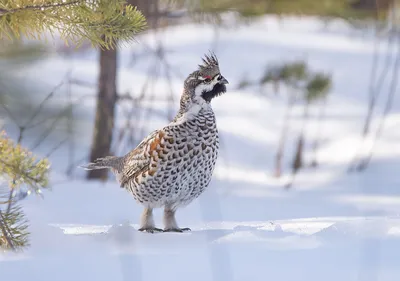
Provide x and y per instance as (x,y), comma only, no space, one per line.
(298,159)
(104,124)
(375,90)
(107,95)
(282,140)
(363,164)
(321,119)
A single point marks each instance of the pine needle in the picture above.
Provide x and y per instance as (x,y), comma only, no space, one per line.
(17,167)
(102,22)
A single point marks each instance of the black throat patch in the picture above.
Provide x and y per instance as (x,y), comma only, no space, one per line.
(216,91)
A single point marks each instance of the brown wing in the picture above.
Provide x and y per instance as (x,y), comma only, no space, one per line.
(139,160)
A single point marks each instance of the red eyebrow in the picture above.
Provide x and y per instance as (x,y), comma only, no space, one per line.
(207,77)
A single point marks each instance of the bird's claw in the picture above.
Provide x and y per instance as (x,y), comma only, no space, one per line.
(150,229)
(177,229)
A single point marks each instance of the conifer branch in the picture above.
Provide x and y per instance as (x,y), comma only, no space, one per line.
(105,23)
(6,233)
(37,7)
(17,167)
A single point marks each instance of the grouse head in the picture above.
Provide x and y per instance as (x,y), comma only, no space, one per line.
(206,82)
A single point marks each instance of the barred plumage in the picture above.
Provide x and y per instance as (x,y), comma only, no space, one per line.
(174,165)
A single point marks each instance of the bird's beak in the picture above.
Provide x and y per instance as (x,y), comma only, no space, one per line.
(223,80)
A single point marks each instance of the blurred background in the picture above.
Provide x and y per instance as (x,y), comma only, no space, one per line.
(309,126)
(294,54)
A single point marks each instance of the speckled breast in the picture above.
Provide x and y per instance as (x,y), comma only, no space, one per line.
(186,170)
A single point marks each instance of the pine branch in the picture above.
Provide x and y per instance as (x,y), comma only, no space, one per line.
(105,23)
(37,7)
(19,166)
(4,230)
(13,230)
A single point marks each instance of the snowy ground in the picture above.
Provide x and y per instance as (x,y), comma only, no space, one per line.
(331,226)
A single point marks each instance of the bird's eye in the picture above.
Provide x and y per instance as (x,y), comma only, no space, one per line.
(219,78)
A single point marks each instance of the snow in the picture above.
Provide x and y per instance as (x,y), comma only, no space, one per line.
(332,225)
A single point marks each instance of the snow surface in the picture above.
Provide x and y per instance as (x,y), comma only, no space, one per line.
(331,226)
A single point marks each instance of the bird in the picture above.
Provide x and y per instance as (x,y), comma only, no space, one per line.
(174,165)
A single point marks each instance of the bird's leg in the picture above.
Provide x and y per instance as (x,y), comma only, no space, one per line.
(147,221)
(170,224)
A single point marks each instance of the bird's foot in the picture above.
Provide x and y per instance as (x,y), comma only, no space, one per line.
(150,229)
(177,229)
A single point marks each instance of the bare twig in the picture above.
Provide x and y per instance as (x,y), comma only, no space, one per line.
(38,7)
(170,98)
(40,107)
(70,137)
(375,91)
(83,83)
(134,109)
(392,92)
(10,115)
(57,146)
(55,121)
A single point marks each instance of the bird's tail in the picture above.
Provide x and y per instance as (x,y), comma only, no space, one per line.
(103,163)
